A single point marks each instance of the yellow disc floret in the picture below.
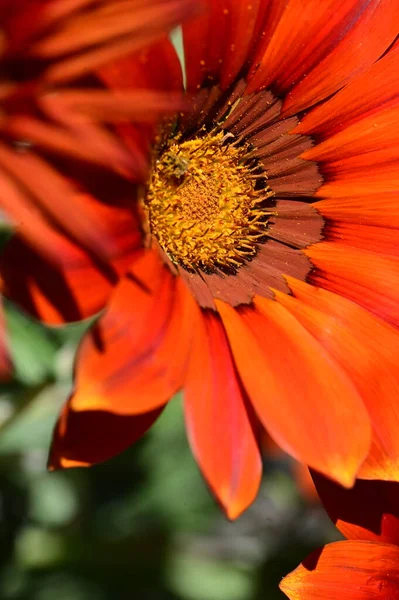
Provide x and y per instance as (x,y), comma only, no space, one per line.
(203,204)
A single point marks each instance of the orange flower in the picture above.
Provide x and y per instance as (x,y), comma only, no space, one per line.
(258,269)
(351,570)
(365,567)
(52,108)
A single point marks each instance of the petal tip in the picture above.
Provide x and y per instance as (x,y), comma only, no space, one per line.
(289,586)
(344,474)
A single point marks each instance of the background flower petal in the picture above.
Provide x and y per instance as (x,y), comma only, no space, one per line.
(79,285)
(368,511)
(349,570)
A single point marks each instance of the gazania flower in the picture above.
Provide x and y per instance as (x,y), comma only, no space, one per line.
(261,276)
(49,51)
(366,566)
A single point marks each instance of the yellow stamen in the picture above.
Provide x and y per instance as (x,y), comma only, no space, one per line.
(205,205)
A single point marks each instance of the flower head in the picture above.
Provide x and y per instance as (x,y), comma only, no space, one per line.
(245,274)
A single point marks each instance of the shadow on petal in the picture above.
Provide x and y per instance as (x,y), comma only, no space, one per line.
(82,439)
(368,511)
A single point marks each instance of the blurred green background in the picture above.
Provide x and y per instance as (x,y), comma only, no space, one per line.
(140,526)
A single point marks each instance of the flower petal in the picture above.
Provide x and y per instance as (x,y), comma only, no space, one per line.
(145,106)
(286,372)
(380,210)
(35,194)
(82,439)
(203,51)
(295,38)
(366,348)
(315,48)
(77,286)
(107,36)
(156,67)
(355,100)
(362,158)
(243,19)
(348,570)
(385,240)
(378,131)
(368,511)
(363,276)
(124,363)
(220,428)
(377,21)
(221,57)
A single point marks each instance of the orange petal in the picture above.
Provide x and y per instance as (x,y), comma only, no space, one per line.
(108,35)
(349,570)
(125,365)
(378,22)
(39,188)
(380,210)
(378,131)
(366,348)
(156,67)
(107,23)
(202,50)
(243,19)
(298,390)
(367,278)
(296,39)
(145,106)
(219,426)
(78,286)
(368,511)
(374,172)
(83,438)
(28,221)
(385,240)
(74,144)
(355,100)
(219,57)
(195,38)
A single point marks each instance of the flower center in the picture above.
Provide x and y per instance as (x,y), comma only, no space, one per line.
(207,203)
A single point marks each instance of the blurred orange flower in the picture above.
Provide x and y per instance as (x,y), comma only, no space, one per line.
(53,107)
(257,269)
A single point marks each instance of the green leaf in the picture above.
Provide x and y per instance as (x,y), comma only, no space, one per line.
(32,347)
(200,579)
(31,427)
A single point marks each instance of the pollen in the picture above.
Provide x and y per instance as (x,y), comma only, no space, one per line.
(207,203)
